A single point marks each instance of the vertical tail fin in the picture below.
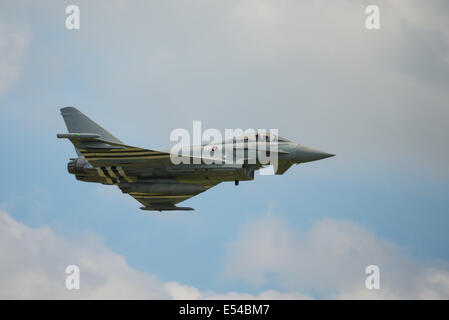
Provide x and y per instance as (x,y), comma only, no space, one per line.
(77,122)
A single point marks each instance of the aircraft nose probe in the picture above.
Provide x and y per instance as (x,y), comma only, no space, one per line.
(306,154)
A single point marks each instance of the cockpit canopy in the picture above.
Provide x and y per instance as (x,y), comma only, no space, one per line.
(269,137)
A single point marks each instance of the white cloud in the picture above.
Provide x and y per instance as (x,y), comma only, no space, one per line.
(13,45)
(330,260)
(34,260)
(178,291)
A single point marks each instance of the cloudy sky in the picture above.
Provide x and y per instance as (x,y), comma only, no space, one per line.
(378,99)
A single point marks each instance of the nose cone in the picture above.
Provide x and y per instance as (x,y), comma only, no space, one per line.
(306,154)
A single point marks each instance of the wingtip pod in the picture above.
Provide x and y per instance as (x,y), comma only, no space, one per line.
(79,136)
(166,208)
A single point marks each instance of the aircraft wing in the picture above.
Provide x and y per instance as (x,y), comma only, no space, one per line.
(110,156)
(124,156)
(104,153)
(161,202)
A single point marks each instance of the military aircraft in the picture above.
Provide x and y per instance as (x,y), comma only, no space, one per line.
(152,177)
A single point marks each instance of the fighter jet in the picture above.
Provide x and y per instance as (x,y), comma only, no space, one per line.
(155,180)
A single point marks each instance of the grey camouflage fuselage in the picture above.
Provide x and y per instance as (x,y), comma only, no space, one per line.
(158,182)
